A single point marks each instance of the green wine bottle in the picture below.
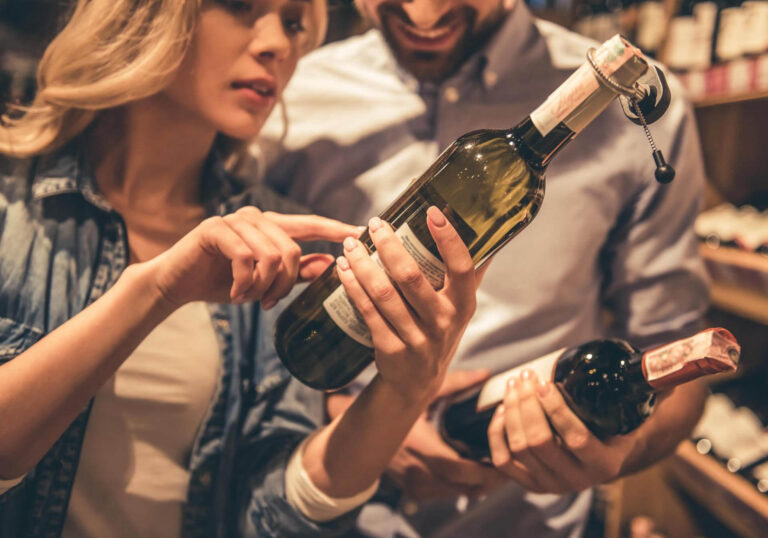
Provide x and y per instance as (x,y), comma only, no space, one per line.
(488,183)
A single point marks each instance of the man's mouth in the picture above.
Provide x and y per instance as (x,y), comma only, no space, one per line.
(429,39)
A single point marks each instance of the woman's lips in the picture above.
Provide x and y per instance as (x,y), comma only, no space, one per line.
(256,93)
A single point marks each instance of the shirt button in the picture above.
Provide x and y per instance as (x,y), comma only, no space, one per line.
(451,94)
(410,508)
(205,478)
(490,78)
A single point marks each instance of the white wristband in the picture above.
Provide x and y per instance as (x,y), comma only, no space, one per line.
(303,495)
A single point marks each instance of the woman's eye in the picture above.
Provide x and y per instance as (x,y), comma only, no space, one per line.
(294,26)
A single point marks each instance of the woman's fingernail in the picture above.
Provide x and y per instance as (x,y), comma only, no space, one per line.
(350,243)
(360,230)
(374,224)
(342,263)
(527,374)
(543,388)
(511,383)
(436,216)
(500,409)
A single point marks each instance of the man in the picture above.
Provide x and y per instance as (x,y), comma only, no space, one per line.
(610,253)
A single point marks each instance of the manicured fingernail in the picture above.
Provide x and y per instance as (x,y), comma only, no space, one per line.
(374,224)
(360,230)
(350,243)
(500,409)
(511,383)
(543,388)
(436,216)
(342,263)
(527,374)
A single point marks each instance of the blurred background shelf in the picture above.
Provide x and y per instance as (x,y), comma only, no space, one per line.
(727,99)
(740,282)
(740,301)
(732,499)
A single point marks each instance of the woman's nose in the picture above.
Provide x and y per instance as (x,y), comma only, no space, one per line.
(270,41)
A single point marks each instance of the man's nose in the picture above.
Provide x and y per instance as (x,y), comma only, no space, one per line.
(426,13)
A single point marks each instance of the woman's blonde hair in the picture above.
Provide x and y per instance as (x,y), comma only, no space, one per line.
(110,52)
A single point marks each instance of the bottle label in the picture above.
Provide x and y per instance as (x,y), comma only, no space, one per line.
(494,389)
(346,316)
(708,352)
(577,88)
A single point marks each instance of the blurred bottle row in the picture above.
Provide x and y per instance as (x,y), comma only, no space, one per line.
(730,226)
(717,47)
(736,437)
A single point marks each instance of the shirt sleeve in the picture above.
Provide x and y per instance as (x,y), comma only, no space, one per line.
(656,286)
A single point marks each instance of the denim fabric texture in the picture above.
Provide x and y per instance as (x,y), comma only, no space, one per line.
(61,248)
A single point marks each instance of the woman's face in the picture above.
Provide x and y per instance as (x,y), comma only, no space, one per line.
(241,57)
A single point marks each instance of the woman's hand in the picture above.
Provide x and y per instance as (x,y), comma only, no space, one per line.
(415,329)
(537,440)
(245,256)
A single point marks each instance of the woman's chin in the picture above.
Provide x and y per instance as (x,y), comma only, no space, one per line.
(242,131)
(244,125)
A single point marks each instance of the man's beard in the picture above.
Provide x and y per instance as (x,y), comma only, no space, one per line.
(428,66)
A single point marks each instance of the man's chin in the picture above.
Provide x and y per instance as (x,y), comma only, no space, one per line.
(428,66)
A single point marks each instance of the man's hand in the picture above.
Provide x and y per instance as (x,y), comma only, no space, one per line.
(560,458)
(425,466)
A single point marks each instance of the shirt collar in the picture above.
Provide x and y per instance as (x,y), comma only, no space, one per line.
(66,171)
(516,45)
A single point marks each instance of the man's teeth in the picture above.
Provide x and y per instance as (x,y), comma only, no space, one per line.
(429,34)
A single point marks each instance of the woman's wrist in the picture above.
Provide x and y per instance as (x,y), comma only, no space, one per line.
(140,281)
(412,397)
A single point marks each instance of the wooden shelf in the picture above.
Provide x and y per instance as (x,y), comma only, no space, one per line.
(732,296)
(729,497)
(741,301)
(739,258)
(726,99)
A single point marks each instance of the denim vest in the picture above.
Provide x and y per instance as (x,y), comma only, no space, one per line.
(61,248)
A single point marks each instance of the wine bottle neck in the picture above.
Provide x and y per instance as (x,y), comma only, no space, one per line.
(577,102)
(708,352)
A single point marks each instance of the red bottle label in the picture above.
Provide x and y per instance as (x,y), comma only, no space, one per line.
(708,352)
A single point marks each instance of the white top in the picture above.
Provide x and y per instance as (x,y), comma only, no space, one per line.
(132,478)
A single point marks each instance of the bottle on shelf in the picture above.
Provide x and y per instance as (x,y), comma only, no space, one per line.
(651,28)
(488,183)
(609,384)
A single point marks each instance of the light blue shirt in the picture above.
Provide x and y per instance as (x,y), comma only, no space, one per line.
(607,238)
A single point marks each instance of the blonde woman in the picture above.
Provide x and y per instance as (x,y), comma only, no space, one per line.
(139,391)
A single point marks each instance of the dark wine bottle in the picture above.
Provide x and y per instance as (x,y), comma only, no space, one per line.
(609,384)
(488,183)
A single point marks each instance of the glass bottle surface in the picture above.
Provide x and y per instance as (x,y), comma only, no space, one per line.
(487,191)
